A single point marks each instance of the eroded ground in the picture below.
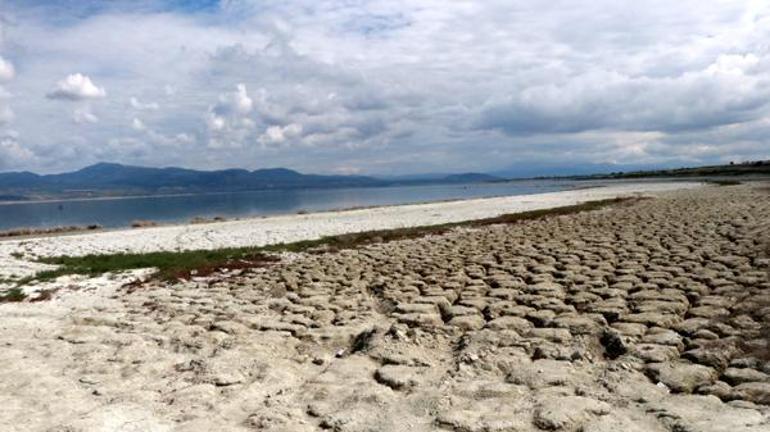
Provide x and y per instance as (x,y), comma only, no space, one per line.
(647,317)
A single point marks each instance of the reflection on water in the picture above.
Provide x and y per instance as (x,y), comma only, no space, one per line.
(112,213)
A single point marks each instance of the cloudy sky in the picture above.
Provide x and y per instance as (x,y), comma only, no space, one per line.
(382,87)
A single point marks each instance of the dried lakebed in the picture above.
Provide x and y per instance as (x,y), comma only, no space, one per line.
(651,316)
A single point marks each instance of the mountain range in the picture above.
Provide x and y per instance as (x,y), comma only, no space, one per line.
(115,179)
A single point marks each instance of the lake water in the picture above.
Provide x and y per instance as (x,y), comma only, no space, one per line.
(120,212)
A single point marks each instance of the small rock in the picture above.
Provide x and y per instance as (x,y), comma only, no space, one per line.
(709,312)
(510,323)
(630,329)
(467,322)
(618,421)
(715,357)
(691,326)
(228,327)
(705,334)
(542,317)
(567,413)
(737,376)
(664,337)
(757,392)
(224,379)
(652,353)
(719,389)
(397,377)
(579,324)
(541,373)
(420,319)
(652,319)
(556,335)
(614,346)
(742,404)
(681,377)
(89,380)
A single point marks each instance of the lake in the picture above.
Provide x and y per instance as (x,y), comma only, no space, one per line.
(120,212)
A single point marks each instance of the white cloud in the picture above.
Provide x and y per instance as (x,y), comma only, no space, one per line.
(138,124)
(84,115)
(279,134)
(175,141)
(724,92)
(6,113)
(13,154)
(235,103)
(214,122)
(227,121)
(241,100)
(229,111)
(76,87)
(347,170)
(735,64)
(7,71)
(137,104)
(184,138)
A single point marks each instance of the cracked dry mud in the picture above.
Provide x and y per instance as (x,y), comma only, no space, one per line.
(653,316)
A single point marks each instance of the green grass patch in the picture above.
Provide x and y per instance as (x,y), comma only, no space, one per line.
(184,264)
(12,295)
(724,182)
(170,265)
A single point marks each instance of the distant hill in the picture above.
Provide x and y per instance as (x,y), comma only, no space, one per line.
(470,178)
(732,169)
(19,179)
(565,170)
(102,178)
(529,170)
(421,179)
(116,179)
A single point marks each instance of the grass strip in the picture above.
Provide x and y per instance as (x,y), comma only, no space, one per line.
(724,182)
(12,295)
(184,264)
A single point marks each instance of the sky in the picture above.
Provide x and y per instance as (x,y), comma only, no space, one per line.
(387,87)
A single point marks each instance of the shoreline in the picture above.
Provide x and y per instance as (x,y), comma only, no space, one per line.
(261,231)
(187,194)
(211,219)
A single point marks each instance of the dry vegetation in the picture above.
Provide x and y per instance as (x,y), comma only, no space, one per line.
(143,224)
(204,220)
(25,232)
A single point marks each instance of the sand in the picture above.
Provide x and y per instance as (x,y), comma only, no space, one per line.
(648,316)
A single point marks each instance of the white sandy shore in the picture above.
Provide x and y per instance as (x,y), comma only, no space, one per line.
(291,228)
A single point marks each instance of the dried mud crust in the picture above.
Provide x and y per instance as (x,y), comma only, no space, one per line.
(646,317)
